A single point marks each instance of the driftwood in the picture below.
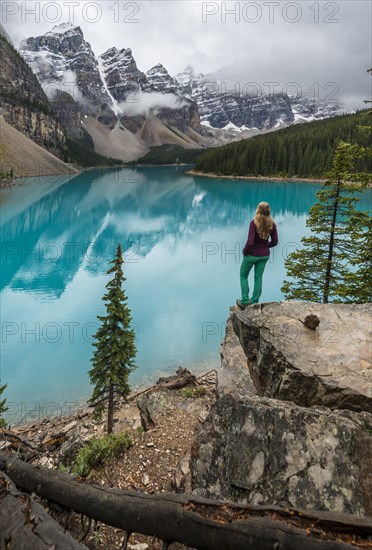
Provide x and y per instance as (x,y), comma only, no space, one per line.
(183,377)
(24,449)
(195,522)
(205,378)
(24,523)
(14,438)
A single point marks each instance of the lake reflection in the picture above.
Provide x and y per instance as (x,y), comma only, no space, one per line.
(182,238)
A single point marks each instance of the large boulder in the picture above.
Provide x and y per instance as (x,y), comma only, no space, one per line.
(305,440)
(330,366)
(264,451)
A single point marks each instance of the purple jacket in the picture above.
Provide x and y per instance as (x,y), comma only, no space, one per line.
(255,246)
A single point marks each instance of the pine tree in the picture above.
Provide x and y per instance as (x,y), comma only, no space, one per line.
(3,407)
(322,270)
(357,287)
(115,346)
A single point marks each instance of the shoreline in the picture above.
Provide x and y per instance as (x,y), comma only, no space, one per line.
(212,175)
(9,183)
(82,408)
(17,182)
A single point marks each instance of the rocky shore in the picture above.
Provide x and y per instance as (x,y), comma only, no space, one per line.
(255,178)
(285,421)
(157,461)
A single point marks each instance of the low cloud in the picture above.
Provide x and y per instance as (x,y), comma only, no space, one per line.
(142,103)
(67,83)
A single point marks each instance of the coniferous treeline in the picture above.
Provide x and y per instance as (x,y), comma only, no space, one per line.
(303,150)
(168,154)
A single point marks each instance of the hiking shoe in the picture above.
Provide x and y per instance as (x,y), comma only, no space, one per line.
(240,304)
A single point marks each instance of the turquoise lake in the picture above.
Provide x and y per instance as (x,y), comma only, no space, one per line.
(182,238)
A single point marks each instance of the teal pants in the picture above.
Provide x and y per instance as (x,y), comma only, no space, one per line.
(259,263)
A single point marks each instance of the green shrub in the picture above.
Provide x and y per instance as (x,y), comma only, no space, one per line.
(97,452)
(197,392)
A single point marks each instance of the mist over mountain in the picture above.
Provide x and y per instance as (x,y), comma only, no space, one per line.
(127,110)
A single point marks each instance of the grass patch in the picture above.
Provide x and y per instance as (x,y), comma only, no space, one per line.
(97,452)
(191,393)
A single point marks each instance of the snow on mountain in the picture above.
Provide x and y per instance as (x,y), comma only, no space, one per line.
(63,28)
(63,59)
(222,106)
(160,79)
(123,78)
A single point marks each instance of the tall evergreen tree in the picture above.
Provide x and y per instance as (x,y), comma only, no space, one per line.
(357,286)
(115,346)
(324,268)
(3,407)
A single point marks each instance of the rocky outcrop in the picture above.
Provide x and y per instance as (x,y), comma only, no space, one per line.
(233,376)
(22,157)
(123,78)
(68,112)
(263,451)
(186,116)
(330,366)
(23,103)
(292,424)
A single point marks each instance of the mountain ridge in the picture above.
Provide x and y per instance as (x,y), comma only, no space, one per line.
(121,94)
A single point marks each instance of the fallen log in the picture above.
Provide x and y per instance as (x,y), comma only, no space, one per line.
(183,377)
(24,523)
(11,436)
(193,521)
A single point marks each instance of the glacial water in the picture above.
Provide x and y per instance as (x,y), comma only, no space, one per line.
(182,239)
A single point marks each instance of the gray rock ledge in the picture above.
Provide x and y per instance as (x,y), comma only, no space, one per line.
(330,366)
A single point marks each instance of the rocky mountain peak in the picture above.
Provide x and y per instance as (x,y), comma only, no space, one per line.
(121,74)
(160,79)
(64,28)
(63,59)
(189,69)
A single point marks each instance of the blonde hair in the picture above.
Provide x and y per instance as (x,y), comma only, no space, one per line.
(263,220)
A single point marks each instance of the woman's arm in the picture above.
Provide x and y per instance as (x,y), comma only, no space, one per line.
(274,238)
(250,240)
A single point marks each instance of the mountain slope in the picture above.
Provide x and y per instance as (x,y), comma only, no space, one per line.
(23,157)
(120,143)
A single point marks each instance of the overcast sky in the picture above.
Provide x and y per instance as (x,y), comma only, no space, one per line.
(325,47)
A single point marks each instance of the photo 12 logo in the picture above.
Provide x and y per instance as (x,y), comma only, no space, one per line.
(271,12)
(59,12)
(51,332)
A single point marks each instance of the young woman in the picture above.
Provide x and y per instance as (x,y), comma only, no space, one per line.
(256,253)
